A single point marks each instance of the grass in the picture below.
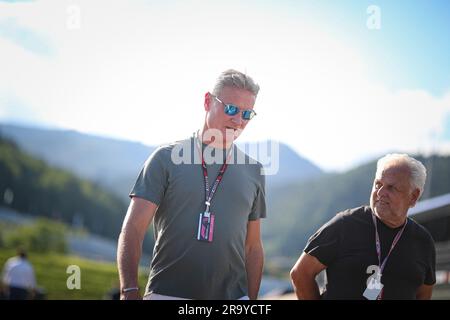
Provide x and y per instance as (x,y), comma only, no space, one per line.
(96,278)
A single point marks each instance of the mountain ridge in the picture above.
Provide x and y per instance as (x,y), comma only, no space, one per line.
(115,164)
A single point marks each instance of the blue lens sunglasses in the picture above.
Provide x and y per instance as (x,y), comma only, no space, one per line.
(232,110)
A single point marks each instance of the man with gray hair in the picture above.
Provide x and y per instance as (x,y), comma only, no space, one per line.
(373,252)
(205,209)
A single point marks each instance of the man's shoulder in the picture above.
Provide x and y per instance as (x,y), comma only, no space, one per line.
(249,165)
(165,150)
(179,143)
(348,218)
(13,260)
(354,213)
(242,155)
(420,231)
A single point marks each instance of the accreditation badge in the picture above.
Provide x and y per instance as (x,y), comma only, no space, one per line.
(205,227)
(374,287)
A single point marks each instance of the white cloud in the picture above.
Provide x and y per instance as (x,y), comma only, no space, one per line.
(139,71)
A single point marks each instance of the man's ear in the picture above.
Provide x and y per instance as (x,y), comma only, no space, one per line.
(207,103)
(414,197)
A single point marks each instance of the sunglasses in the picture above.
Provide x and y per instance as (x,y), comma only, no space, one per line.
(232,110)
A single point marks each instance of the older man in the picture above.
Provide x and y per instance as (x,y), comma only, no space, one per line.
(374,252)
(206,198)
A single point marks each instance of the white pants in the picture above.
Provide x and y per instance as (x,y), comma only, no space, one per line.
(155,296)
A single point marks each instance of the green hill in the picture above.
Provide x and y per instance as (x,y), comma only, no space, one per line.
(112,163)
(31,186)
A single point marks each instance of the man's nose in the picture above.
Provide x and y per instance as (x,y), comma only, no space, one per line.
(237,119)
(381,192)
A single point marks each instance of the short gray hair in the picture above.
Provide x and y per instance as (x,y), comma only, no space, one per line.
(417,169)
(235,79)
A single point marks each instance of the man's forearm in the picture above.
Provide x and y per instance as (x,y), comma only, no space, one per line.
(425,292)
(128,257)
(139,216)
(306,288)
(254,263)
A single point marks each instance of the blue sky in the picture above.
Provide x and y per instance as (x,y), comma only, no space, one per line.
(138,70)
(409,51)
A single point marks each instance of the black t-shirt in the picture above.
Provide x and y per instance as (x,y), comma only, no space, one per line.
(346,245)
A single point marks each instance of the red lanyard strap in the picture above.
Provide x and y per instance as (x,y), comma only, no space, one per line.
(378,243)
(378,247)
(209,194)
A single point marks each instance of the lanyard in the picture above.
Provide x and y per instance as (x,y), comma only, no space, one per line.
(378,243)
(378,247)
(209,194)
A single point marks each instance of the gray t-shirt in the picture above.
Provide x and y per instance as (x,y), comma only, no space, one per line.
(182,266)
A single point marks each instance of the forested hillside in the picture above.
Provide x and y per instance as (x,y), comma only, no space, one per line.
(30,186)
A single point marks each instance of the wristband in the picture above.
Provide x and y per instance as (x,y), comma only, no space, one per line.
(125,290)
